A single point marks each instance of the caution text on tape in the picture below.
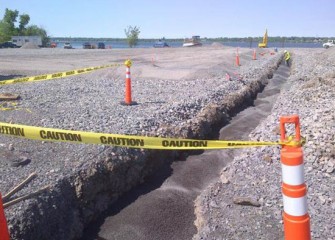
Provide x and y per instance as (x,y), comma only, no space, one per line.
(60,135)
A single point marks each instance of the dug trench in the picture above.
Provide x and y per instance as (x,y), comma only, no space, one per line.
(149,194)
(163,206)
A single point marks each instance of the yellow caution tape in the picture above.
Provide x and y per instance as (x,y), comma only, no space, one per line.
(291,141)
(59,135)
(57,75)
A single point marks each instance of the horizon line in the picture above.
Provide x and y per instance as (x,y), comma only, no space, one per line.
(201,37)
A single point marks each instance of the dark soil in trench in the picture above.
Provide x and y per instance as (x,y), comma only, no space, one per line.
(163,207)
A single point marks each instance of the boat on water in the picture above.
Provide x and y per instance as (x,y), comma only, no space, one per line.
(160,44)
(192,42)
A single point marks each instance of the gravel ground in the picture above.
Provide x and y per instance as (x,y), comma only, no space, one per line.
(171,87)
(256,173)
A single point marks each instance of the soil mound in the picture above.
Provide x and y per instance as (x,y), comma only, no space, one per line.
(30,45)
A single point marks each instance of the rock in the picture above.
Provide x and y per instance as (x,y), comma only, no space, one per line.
(10,147)
(322,199)
(246,201)
(267,158)
(224,179)
(21,161)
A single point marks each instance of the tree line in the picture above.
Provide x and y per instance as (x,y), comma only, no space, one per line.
(11,26)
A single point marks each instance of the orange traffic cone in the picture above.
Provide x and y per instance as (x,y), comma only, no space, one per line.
(237,60)
(127,99)
(4,234)
(254,55)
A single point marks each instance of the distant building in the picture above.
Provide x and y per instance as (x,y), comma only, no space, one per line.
(21,40)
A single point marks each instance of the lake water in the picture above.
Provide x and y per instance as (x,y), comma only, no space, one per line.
(149,44)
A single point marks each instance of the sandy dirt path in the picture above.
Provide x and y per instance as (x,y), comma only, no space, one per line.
(169,63)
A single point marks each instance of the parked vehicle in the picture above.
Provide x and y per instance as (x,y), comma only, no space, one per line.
(67,45)
(101,45)
(160,44)
(192,42)
(87,45)
(330,43)
(8,45)
(22,40)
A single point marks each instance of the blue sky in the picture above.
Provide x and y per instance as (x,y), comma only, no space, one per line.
(179,18)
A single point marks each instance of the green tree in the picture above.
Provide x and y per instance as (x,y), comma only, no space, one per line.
(8,23)
(8,28)
(24,20)
(10,17)
(5,32)
(132,35)
(35,30)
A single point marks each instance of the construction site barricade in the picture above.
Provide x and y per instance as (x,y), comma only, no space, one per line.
(295,217)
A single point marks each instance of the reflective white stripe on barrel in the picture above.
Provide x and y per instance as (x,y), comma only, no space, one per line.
(293,175)
(127,72)
(295,206)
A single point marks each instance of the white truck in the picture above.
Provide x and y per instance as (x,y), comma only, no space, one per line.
(330,43)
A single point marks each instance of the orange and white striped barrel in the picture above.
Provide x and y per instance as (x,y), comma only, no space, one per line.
(295,216)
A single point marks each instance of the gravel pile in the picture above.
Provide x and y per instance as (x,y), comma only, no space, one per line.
(256,173)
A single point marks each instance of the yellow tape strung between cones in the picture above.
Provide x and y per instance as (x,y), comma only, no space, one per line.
(57,75)
(59,135)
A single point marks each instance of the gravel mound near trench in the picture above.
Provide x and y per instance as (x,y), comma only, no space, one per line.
(30,46)
(84,179)
(256,173)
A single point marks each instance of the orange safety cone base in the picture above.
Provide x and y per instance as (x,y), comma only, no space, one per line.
(127,100)
(296,228)
(124,103)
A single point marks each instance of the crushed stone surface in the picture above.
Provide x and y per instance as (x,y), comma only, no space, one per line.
(256,173)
